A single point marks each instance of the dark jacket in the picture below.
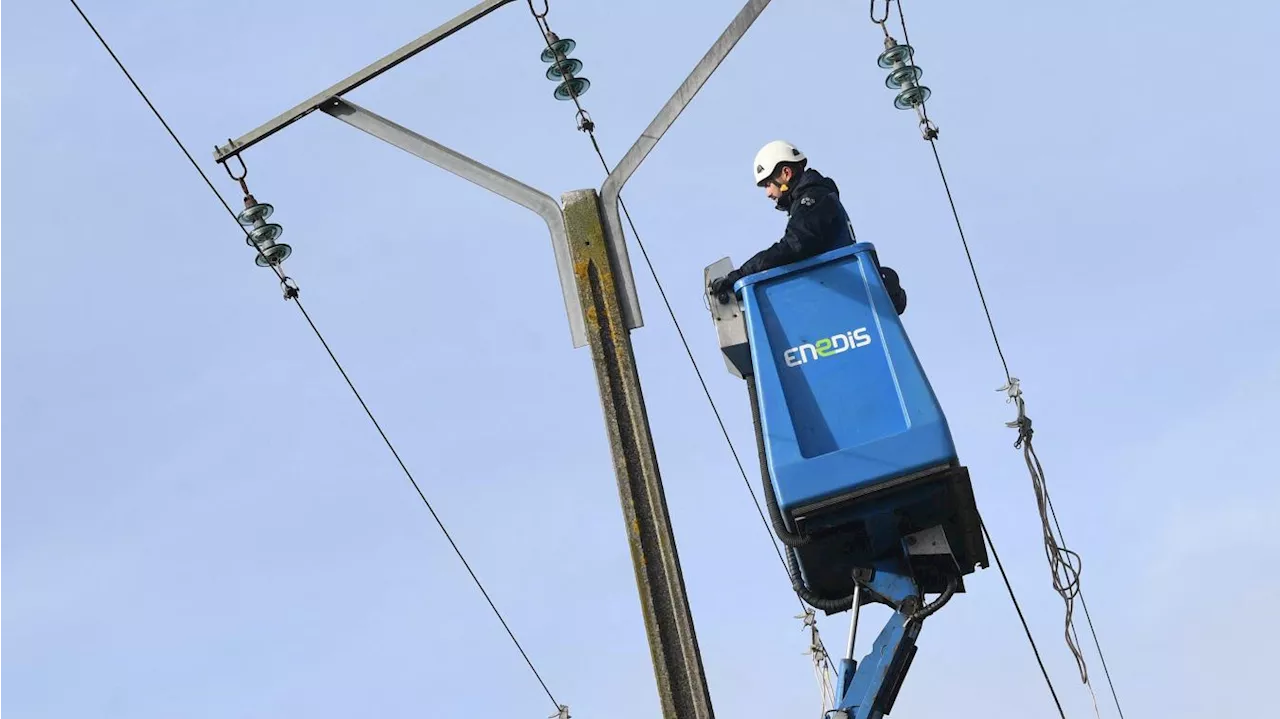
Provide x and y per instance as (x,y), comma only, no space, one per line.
(816,223)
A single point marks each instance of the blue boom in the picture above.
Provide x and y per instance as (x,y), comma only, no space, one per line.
(862,479)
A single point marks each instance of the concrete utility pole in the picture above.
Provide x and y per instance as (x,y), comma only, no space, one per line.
(682,685)
(602,307)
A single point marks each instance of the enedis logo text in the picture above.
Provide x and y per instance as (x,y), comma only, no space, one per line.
(827,346)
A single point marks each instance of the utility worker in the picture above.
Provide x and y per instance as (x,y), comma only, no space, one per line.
(816,223)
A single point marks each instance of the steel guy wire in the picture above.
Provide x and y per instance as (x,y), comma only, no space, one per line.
(336,363)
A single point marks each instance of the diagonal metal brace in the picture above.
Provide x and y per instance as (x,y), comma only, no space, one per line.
(484,176)
(611,190)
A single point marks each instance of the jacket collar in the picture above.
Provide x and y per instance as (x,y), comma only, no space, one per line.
(808,178)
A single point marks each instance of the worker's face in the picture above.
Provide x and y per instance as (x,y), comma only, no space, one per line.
(773,186)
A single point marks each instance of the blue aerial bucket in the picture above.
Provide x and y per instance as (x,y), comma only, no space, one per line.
(854,442)
(844,402)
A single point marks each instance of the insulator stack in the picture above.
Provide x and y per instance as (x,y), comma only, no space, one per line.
(264,234)
(903,75)
(564,69)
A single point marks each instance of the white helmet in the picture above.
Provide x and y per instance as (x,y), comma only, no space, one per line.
(770,155)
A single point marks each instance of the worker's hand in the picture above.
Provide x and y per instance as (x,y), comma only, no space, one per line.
(723,287)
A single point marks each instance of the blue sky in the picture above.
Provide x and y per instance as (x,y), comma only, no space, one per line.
(202,523)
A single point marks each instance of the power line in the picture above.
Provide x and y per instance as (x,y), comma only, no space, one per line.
(1022,618)
(978,283)
(336,363)
(1056,549)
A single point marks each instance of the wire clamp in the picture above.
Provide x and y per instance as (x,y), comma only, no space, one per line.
(1023,423)
(289,288)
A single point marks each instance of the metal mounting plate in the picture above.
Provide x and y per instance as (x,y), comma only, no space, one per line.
(731,327)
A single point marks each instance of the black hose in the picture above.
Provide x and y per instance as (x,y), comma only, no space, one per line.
(831,606)
(789,538)
(936,604)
